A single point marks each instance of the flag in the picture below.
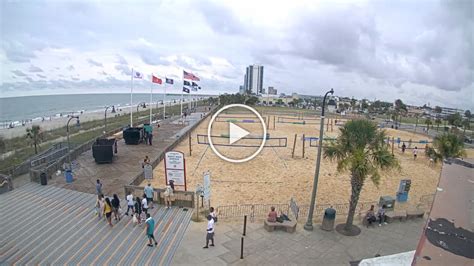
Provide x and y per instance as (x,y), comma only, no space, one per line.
(137,75)
(186,83)
(185,89)
(169,81)
(199,87)
(191,76)
(194,84)
(155,79)
(187,75)
(194,89)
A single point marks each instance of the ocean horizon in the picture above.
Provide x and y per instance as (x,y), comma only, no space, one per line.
(17,109)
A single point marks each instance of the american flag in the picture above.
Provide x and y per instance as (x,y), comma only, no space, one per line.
(191,76)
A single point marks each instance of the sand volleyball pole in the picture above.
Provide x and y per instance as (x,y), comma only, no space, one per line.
(309,223)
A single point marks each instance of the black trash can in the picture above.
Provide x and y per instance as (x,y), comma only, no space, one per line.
(329,219)
(43,179)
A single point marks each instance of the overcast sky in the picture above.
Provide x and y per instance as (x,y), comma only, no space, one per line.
(419,51)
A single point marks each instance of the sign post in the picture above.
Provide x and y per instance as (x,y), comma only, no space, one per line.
(175,168)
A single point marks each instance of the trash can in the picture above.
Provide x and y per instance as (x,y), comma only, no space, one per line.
(68,176)
(329,219)
(43,179)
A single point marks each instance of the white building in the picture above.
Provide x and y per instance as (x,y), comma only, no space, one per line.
(253,81)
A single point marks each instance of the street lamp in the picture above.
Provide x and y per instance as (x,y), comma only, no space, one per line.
(105,117)
(309,223)
(67,131)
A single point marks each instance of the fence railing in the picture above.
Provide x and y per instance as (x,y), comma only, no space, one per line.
(181,198)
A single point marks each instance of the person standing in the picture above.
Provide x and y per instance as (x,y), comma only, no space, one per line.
(168,194)
(149,195)
(108,211)
(415,152)
(98,187)
(150,228)
(116,207)
(381,215)
(129,199)
(210,231)
(404,147)
(100,205)
(145,204)
(213,214)
(138,210)
(145,161)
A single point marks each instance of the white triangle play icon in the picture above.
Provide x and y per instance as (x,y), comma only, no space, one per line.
(236,133)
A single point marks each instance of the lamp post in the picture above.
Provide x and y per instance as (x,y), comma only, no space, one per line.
(67,131)
(105,117)
(309,223)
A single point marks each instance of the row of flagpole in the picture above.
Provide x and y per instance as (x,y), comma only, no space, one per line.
(186,76)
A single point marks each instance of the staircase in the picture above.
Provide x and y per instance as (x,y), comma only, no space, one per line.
(46,225)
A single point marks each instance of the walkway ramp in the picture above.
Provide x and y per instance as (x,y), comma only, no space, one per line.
(47,225)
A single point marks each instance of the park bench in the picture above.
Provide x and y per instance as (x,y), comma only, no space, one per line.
(415,213)
(288,226)
(396,215)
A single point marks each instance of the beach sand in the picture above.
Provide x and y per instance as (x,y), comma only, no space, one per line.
(274,176)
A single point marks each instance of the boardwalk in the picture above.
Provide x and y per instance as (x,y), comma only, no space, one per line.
(127,162)
(47,225)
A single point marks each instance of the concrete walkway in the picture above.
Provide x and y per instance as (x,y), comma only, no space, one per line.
(300,248)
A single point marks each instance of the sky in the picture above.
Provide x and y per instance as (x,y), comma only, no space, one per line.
(418,51)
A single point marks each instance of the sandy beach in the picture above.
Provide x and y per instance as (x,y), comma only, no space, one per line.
(275,177)
(58,122)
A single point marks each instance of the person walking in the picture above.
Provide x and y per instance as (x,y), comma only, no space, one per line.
(99,205)
(116,207)
(145,161)
(415,152)
(149,229)
(108,211)
(129,199)
(404,147)
(149,195)
(145,204)
(138,210)
(210,231)
(98,187)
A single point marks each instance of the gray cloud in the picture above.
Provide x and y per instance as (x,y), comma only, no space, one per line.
(220,18)
(19,73)
(70,68)
(102,73)
(35,69)
(94,63)
(75,78)
(17,52)
(41,76)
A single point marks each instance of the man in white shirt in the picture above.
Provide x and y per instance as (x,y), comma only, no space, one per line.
(130,203)
(210,231)
(145,205)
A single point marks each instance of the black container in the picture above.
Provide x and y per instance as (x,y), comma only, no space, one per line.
(43,179)
(133,135)
(103,150)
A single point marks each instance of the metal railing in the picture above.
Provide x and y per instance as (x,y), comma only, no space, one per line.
(181,198)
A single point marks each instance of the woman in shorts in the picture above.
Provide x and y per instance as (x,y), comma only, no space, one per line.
(138,210)
(108,211)
(116,207)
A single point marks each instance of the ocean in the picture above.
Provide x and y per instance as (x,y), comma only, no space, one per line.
(16,109)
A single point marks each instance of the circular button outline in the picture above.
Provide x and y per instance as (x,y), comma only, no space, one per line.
(263,138)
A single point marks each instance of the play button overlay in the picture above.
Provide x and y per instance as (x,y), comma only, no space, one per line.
(236,133)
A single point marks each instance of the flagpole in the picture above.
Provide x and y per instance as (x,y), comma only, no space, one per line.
(131,102)
(182,94)
(164,102)
(151,99)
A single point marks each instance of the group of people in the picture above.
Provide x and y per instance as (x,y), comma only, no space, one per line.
(415,150)
(372,217)
(148,134)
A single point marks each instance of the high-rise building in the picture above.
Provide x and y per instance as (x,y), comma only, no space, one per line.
(253,80)
(241,89)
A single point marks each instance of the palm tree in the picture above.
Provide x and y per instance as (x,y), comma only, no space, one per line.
(428,123)
(360,150)
(446,146)
(437,122)
(466,124)
(35,135)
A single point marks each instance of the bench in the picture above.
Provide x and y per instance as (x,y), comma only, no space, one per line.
(288,226)
(396,215)
(415,213)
